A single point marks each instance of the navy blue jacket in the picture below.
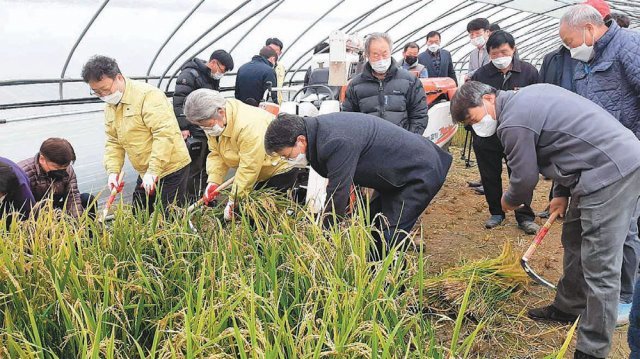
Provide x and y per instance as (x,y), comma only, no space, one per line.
(558,68)
(252,78)
(446,64)
(355,148)
(612,78)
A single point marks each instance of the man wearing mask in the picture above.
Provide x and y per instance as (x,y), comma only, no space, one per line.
(51,175)
(140,123)
(406,170)
(197,74)
(277,45)
(385,90)
(478,30)
(236,139)
(410,60)
(593,160)
(504,72)
(608,73)
(437,60)
(256,77)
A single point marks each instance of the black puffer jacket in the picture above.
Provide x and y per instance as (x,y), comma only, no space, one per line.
(399,98)
(194,75)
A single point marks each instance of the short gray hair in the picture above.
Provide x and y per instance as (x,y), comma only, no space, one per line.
(468,96)
(202,104)
(377,36)
(580,15)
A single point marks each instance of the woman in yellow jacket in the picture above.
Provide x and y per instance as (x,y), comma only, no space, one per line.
(139,122)
(235,133)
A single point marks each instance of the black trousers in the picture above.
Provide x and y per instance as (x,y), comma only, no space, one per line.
(172,189)
(288,181)
(87,200)
(489,156)
(400,209)
(197,180)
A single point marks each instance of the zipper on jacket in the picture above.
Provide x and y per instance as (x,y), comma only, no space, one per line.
(381,99)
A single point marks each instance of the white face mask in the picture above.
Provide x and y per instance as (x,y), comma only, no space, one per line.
(112,99)
(487,126)
(381,66)
(299,161)
(214,131)
(583,52)
(433,48)
(217,76)
(478,41)
(502,62)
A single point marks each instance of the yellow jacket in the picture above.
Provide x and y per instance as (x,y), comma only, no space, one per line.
(144,127)
(241,146)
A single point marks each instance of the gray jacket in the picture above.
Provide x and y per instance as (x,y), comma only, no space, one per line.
(477,59)
(399,98)
(612,78)
(567,138)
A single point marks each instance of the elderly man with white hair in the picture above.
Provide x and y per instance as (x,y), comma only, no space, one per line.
(608,73)
(235,133)
(386,90)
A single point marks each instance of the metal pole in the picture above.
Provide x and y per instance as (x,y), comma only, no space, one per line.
(173,34)
(73,49)
(236,9)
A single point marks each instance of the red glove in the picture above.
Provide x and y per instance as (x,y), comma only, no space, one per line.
(210,193)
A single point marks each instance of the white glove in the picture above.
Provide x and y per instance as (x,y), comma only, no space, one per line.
(113,181)
(149,183)
(228,210)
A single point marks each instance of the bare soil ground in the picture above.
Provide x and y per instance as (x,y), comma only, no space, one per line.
(455,232)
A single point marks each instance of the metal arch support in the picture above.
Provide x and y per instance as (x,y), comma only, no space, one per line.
(356,19)
(255,25)
(475,12)
(232,28)
(193,10)
(340,2)
(73,49)
(462,5)
(408,16)
(226,16)
(535,22)
(382,17)
(464,34)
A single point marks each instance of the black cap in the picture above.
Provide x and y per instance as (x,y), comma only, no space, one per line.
(224,58)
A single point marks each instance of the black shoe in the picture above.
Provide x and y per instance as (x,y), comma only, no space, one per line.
(544,214)
(479,190)
(529,227)
(553,314)
(474,183)
(493,221)
(580,355)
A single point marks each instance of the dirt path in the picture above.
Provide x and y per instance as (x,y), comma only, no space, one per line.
(455,222)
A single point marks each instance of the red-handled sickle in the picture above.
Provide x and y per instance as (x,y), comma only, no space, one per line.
(524,262)
(112,197)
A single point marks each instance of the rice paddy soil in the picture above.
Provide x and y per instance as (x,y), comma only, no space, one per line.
(454,232)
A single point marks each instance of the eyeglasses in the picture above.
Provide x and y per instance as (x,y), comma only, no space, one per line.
(288,156)
(101,93)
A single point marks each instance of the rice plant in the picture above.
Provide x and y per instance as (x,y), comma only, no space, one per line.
(269,284)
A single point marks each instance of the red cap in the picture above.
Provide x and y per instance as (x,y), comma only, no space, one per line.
(600,5)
